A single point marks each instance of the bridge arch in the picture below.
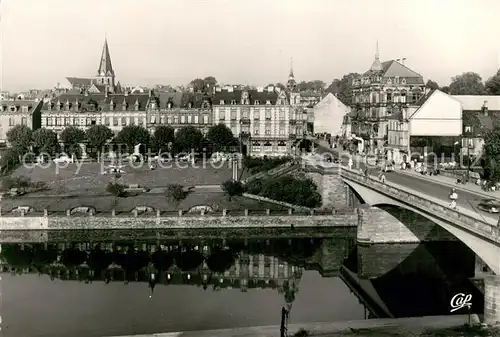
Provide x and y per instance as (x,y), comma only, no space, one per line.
(487,250)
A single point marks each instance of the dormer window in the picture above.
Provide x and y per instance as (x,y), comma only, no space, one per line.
(268,102)
(389,81)
(256,102)
(153,105)
(403,81)
(190,105)
(468,129)
(137,105)
(205,105)
(233,102)
(170,105)
(221,102)
(12,108)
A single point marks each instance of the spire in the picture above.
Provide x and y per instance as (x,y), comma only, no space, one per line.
(376,65)
(105,67)
(291,76)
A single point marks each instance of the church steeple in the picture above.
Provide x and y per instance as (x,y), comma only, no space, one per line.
(291,84)
(105,67)
(376,65)
(105,73)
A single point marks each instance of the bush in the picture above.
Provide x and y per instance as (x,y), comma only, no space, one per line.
(10,161)
(256,165)
(301,333)
(118,190)
(233,188)
(16,182)
(175,192)
(254,186)
(296,191)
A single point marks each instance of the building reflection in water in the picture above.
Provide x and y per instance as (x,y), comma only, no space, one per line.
(276,264)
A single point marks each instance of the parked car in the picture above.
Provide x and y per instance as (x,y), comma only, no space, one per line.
(489,205)
(63,159)
(388,168)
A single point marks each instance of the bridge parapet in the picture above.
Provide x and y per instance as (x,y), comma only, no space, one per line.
(423,203)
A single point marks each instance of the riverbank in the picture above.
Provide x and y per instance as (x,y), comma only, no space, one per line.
(405,327)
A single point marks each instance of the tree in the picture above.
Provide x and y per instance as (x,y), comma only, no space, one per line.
(10,161)
(493,84)
(445,89)
(209,83)
(20,137)
(468,83)
(175,192)
(491,156)
(432,85)
(45,141)
(197,84)
(220,136)
(117,190)
(188,138)
(72,137)
(233,188)
(316,85)
(162,137)
(343,88)
(97,136)
(133,135)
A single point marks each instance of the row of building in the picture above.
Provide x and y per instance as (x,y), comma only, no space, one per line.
(392,109)
(390,104)
(268,120)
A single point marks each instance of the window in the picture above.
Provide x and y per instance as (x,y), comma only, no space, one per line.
(222,115)
(115,121)
(66,121)
(268,114)
(124,121)
(389,81)
(256,102)
(389,96)
(268,130)
(244,113)
(233,102)
(234,114)
(170,105)
(152,119)
(268,147)
(189,119)
(176,119)
(93,121)
(205,119)
(132,121)
(48,121)
(183,119)
(162,119)
(169,119)
(75,121)
(268,102)
(256,130)
(282,130)
(106,121)
(403,81)
(282,114)
(11,121)
(221,102)
(468,129)
(197,119)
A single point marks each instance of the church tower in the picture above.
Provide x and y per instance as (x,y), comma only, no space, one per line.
(291,85)
(105,73)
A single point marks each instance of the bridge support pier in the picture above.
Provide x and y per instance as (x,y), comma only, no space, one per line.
(492,300)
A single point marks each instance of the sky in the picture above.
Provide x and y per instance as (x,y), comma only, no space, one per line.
(242,41)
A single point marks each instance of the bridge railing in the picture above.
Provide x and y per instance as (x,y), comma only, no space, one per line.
(420,202)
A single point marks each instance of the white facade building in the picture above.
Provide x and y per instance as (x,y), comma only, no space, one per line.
(329,115)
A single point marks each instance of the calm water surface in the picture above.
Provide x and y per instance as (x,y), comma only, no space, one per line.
(206,283)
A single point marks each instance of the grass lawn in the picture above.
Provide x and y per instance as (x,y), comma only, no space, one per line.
(90,180)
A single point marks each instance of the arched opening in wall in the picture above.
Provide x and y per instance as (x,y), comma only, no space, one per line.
(354,198)
(422,227)
(424,278)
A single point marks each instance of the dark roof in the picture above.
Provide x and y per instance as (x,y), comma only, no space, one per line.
(480,122)
(79,81)
(394,68)
(105,67)
(253,95)
(102,101)
(182,99)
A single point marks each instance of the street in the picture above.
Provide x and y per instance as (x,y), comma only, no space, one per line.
(466,199)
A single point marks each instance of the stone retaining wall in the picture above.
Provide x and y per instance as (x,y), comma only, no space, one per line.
(276,202)
(198,221)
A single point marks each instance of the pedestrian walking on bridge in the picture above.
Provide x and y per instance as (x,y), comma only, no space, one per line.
(453,197)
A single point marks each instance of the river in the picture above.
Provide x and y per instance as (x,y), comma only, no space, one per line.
(48,288)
